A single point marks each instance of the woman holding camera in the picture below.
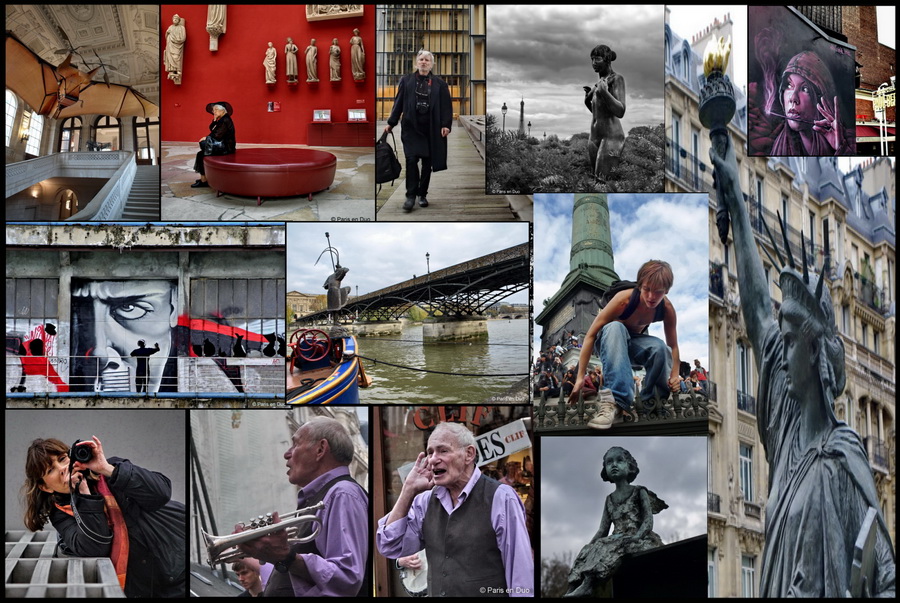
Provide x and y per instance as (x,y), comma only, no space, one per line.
(108,508)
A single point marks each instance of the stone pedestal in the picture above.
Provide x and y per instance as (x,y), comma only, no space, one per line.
(457,327)
(375,328)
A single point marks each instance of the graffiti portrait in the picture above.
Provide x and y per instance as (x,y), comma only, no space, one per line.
(110,319)
(801,91)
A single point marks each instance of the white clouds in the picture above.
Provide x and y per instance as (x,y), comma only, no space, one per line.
(666,227)
(383,254)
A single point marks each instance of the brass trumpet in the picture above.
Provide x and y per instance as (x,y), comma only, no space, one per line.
(224,549)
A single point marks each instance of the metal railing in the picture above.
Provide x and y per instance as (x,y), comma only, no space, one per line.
(717,276)
(878,453)
(688,170)
(118,167)
(674,409)
(713,502)
(72,375)
(746,402)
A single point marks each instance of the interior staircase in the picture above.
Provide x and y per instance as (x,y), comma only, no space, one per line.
(142,204)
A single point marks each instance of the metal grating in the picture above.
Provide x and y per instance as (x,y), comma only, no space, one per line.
(33,572)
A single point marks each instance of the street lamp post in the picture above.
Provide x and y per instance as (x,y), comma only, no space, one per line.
(428,267)
(503,110)
(529,129)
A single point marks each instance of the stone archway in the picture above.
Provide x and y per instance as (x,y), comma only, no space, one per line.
(67,201)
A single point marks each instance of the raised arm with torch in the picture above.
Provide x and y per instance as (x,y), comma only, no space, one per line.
(821,487)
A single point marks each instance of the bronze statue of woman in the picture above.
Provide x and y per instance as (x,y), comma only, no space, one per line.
(606,102)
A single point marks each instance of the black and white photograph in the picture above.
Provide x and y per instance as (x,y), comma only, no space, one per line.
(575,99)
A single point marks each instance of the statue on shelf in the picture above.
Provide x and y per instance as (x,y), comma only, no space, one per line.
(215,24)
(357,57)
(269,63)
(290,59)
(334,61)
(629,510)
(312,53)
(173,57)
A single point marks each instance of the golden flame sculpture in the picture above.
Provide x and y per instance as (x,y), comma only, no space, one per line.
(715,57)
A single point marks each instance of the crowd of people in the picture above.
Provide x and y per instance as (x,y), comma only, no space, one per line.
(551,375)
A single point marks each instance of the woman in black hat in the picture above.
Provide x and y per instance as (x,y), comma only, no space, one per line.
(221,128)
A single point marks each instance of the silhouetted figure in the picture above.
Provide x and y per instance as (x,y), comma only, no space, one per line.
(238,350)
(142,375)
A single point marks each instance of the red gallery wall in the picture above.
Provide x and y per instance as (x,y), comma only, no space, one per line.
(235,73)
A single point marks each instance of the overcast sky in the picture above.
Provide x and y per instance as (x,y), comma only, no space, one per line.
(644,227)
(380,254)
(542,53)
(687,21)
(572,493)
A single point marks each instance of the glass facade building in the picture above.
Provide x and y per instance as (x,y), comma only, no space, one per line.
(455,35)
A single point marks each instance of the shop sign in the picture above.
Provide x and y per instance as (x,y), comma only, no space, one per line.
(491,446)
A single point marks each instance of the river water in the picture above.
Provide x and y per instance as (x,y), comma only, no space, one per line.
(506,351)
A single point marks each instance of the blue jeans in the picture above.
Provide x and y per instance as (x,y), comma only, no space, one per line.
(619,349)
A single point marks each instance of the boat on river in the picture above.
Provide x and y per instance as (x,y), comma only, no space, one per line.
(323,368)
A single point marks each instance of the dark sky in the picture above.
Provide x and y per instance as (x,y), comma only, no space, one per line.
(572,493)
(543,54)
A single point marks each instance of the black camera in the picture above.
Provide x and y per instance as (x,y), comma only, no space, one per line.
(81,454)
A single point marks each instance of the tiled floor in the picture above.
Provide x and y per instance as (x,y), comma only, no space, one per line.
(350,197)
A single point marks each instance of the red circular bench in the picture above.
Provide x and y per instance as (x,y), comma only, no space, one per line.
(271,172)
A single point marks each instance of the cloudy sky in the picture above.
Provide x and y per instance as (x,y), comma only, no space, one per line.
(380,254)
(572,493)
(687,21)
(644,227)
(543,54)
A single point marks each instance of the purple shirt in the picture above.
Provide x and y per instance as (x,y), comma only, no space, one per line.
(404,536)
(342,541)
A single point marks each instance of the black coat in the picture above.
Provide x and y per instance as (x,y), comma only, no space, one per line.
(156,530)
(429,143)
(224,130)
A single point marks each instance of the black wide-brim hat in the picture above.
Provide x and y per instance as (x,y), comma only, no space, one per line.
(228,109)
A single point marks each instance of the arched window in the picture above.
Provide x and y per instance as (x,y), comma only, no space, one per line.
(106,134)
(35,130)
(70,135)
(12,105)
(146,133)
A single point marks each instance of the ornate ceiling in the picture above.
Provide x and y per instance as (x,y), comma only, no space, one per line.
(126,38)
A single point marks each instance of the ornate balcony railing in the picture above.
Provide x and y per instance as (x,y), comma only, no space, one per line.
(676,413)
(878,453)
(746,402)
(686,169)
(713,502)
(717,279)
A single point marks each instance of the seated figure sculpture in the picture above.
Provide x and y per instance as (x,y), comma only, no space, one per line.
(630,509)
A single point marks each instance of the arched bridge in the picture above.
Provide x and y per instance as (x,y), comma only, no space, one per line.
(465,289)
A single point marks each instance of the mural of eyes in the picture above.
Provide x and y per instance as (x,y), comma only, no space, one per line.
(131,311)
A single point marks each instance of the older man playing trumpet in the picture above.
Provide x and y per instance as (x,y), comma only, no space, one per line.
(334,563)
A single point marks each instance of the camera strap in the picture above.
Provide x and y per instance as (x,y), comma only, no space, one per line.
(73,511)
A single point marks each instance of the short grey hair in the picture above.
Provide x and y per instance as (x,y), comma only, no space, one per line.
(460,432)
(219,108)
(332,431)
(423,52)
